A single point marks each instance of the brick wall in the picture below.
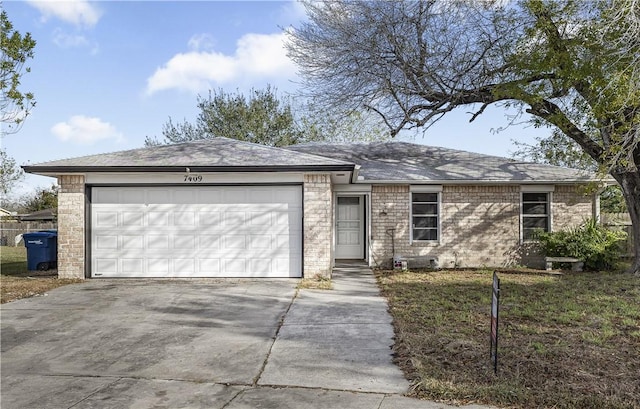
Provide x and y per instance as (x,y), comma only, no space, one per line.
(571,206)
(480,225)
(318,225)
(71,226)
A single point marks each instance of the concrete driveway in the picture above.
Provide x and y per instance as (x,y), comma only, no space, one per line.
(202,344)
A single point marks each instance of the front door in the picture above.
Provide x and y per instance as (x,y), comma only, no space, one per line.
(350,227)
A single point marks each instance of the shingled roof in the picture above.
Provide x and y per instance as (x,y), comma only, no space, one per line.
(402,161)
(379,161)
(210,155)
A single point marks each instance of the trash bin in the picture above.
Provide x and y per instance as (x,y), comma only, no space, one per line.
(42,250)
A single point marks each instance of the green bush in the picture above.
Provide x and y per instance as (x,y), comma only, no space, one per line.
(591,242)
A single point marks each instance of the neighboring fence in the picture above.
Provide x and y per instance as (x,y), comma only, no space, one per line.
(9,230)
(620,221)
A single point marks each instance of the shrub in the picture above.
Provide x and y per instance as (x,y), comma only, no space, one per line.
(591,242)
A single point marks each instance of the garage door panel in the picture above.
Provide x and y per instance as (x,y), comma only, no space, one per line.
(229,231)
(209,196)
(159,196)
(132,219)
(260,242)
(158,266)
(106,219)
(208,219)
(184,219)
(131,265)
(107,195)
(261,266)
(209,266)
(106,266)
(107,242)
(186,196)
(184,242)
(235,266)
(184,267)
(157,219)
(209,242)
(261,219)
(132,242)
(234,196)
(234,242)
(157,242)
(130,197)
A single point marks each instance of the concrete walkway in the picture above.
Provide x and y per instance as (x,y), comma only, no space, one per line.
(204,344)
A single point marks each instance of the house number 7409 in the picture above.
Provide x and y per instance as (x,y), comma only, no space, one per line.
(193,178)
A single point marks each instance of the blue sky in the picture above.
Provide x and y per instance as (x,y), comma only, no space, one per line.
(107,74)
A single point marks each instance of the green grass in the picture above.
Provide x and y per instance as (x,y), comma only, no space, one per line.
(568,341)
(17,282)
(13,261)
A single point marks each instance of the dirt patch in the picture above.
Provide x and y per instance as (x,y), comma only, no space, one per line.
(17,282)
(316,283)
(15,288)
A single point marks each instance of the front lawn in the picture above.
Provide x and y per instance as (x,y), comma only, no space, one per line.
(16,282)
(568,341)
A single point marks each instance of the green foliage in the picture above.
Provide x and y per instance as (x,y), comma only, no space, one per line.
(268,119)
(591,242)
(10,173)
(559,150)
(556,149)
(43,198)
(612,200)
(15,49)
(263,118)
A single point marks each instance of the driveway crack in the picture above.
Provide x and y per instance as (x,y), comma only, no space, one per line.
(94,392)
(275,337)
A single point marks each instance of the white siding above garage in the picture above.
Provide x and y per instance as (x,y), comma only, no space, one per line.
(196,231)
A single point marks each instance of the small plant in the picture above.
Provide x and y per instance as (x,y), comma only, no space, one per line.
(591,242)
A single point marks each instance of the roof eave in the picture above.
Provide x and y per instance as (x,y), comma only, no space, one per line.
(54,170)
(479,182)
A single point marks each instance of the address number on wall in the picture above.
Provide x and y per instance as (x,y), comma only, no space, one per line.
(192,178)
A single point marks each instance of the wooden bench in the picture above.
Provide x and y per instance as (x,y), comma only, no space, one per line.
(576,263)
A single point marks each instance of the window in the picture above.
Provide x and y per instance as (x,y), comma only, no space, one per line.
(535,214)
(424,216)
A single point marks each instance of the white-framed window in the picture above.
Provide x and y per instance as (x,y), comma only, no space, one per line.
(425,216)
(536,213)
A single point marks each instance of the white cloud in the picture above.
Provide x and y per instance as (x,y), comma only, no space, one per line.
(80,13)
(201,42)
(64,40)
(85,130)
(257,56)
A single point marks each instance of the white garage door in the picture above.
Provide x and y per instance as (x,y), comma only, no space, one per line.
(208,231)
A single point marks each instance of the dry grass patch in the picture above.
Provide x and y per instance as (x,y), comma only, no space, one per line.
(568,341)
(17,282)
(317,282)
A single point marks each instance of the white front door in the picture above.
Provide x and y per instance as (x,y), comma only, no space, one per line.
(350,227)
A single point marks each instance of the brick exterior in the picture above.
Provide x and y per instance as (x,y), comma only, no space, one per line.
(480,225)
(570,207)
(318,225)
(71,226)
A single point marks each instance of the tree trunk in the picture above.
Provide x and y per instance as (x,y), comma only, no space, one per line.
(630,184)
